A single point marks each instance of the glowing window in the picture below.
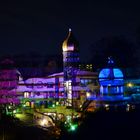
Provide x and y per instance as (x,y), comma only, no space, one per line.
(26,94)
(105,73)
(39,84)
(49,85)
(27,103)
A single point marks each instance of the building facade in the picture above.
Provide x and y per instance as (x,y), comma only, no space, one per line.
(69,86)
(52,88)
(111,81)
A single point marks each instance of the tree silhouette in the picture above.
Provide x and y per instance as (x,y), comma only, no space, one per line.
(122,50)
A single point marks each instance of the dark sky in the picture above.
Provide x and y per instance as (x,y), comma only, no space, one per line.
(42,26)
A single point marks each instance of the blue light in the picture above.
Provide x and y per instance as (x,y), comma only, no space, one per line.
(118,73)
(105,74)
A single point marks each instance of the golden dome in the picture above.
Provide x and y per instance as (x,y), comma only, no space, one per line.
(70,43)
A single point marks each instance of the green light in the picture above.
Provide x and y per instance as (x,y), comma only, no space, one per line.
(53,105)
(68,118)
(24,105)
(73,127)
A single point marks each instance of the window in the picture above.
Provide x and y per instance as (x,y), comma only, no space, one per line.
(39,84)
(85,82)
(49,85)
(61,84)
(26,94)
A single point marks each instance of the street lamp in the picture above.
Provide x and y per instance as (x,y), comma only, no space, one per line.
(130,85)
(88,94)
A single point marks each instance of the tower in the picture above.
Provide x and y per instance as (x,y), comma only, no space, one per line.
(70,66)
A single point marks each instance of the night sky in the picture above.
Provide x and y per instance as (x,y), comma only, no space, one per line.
(42,26)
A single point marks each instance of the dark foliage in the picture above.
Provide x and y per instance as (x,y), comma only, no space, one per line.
(122,50)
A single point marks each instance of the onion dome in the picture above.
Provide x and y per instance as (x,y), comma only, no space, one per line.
(70,43)
(110,73)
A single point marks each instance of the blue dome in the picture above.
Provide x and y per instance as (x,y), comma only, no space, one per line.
(110,74)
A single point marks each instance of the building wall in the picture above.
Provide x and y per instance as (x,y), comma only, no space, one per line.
(53,86)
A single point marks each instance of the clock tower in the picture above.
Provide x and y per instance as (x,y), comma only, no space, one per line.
(70,66)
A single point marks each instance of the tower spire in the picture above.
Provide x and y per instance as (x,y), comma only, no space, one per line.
(110,61)
(70,29)
(70,64)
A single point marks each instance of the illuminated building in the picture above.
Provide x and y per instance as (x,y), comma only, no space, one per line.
(111,95)
(52,87)
(132,88)
(75,84)
(111,82)
(69,86)
(87,67)
(70,66)
(9,77)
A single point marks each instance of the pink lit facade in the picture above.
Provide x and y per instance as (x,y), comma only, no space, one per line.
(53,86)
(8,83)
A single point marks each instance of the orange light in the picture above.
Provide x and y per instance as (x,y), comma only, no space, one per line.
(130,85)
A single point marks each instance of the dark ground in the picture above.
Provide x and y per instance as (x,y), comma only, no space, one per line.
(100,125)
(13,129)
(108,126)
